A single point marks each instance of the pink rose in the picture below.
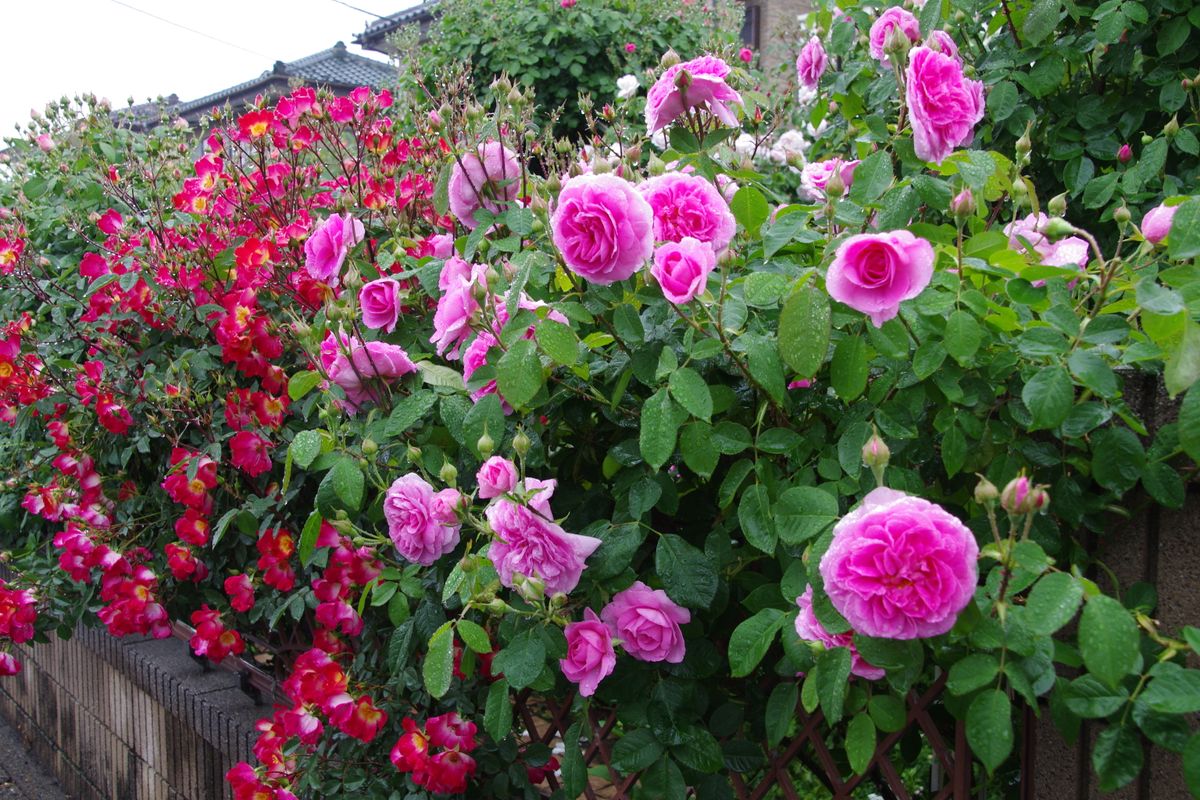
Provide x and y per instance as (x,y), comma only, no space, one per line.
(380,301)
(810,629)
(810,65)
(483,181)
(943,42)
(590,655)
(688,205)
(1157,223)
(1068,251)
(682,268)
(875,272)
(442,244)
(419,523)
(706,87)
(815,176)
(474,357)
(325,250)
(532,544)
(647,623)
(355,366)
(602,227)
(894,17)
(457,306)
(45,143)
(900,567)
(497,476)
(944,105)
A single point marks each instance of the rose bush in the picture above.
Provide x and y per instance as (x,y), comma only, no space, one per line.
(430,410)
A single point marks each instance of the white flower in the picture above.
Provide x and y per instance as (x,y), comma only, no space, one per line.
(659,138)
(806,95)
(745,145)
(792,143)
(627,86)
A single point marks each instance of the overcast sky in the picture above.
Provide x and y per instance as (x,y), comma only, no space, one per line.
(57,47)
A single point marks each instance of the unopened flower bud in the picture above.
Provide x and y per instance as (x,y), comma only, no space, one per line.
(875,452)
(986,492)
(1121,216)
(1020,496)
(600,166)
(414,454)
(962,207)
(486,446)
(1057,205)
(521,443)
(369,447)
(1020,192)
(558,600)
(1171,128)
(502,85)
(1057,228)
(897,42)
(656,166)
(497,606)
(467,564)
(835,187)
(515,98)
(553,185)
(563,146)
(1147,138)
(1124,154)
(1024,145)
(448,474)
(669,59)
(353,280)
(683,79)
(633,153)
(531,589)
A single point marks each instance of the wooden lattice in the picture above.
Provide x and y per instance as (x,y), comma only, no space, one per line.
(547,723)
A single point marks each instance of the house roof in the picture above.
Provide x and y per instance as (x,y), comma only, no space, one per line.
(335,68)
(375,35)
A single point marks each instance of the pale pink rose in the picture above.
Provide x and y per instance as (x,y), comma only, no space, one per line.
(45,143)
(944,105)
(417,521)
(456,308)
(496,476)
(900,567)
(894,17)
(538,494)
(875,272)
(590,655)
(816,174)
(442,244)
(1070,251)
(688,205)
(326,249)
(486,180)
(810,629)
(647,622)
(682,268)
(380,302)
(810,64)
(706,88)
(474,357)
(943,42)
(530,544)
(1157,223)
(359,368)
(602,227)
(453,270)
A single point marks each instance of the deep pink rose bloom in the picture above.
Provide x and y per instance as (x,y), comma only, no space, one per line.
(457,305)
(497,476)
(647,623)
(688,205)
(810,629)
(816,174)
(354,366)
(602,227)
(810,64)
(1070,251)
(421,523)
(529,542)
(442,244)
(894,17)
(590,655)
(1157,223)
(944,43)
(682,268)
(944,105)
(380,302)
(875,272)
(900,567)
(325,250)
(666,101)
(485,180)
(474,356)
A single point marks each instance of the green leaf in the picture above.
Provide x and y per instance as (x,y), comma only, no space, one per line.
(860,742)
(1117,757)
(302,383)
(928,358)
(750,209)
(803,513)
(409,411)
(1173,690)
(833,680)
(635,751)
(1183,366)
(305,448)
(751,640)
(1184,238)
(954,450)
(762,359)
(697,448)
(763,289)
(872,177)
(754,515)
(438,667)
(1091,699)
(804,328)
(1002,98)
(486,416)
(972,672)
(699,750)
(519,373)
(1118,458)
(558,341)
(1191,765)
(474,636)
(308,538)
(848,372)
(691,392)
(659,427)
(1108,639)
(498,711)
(888,712)
(1041,21)
(522,660)
(963,336)
(1189,424)
(1052,603)
(689,577)
(781,711)
(989,728)
(574,769)
(347,481)
(1093,373)
(1049,396)
(782,231)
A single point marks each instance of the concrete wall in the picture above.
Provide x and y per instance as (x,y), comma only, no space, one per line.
(777,30)
(129,719)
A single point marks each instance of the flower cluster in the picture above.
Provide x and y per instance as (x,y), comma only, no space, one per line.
(442,771)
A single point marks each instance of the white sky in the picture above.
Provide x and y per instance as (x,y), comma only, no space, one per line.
(54,47)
